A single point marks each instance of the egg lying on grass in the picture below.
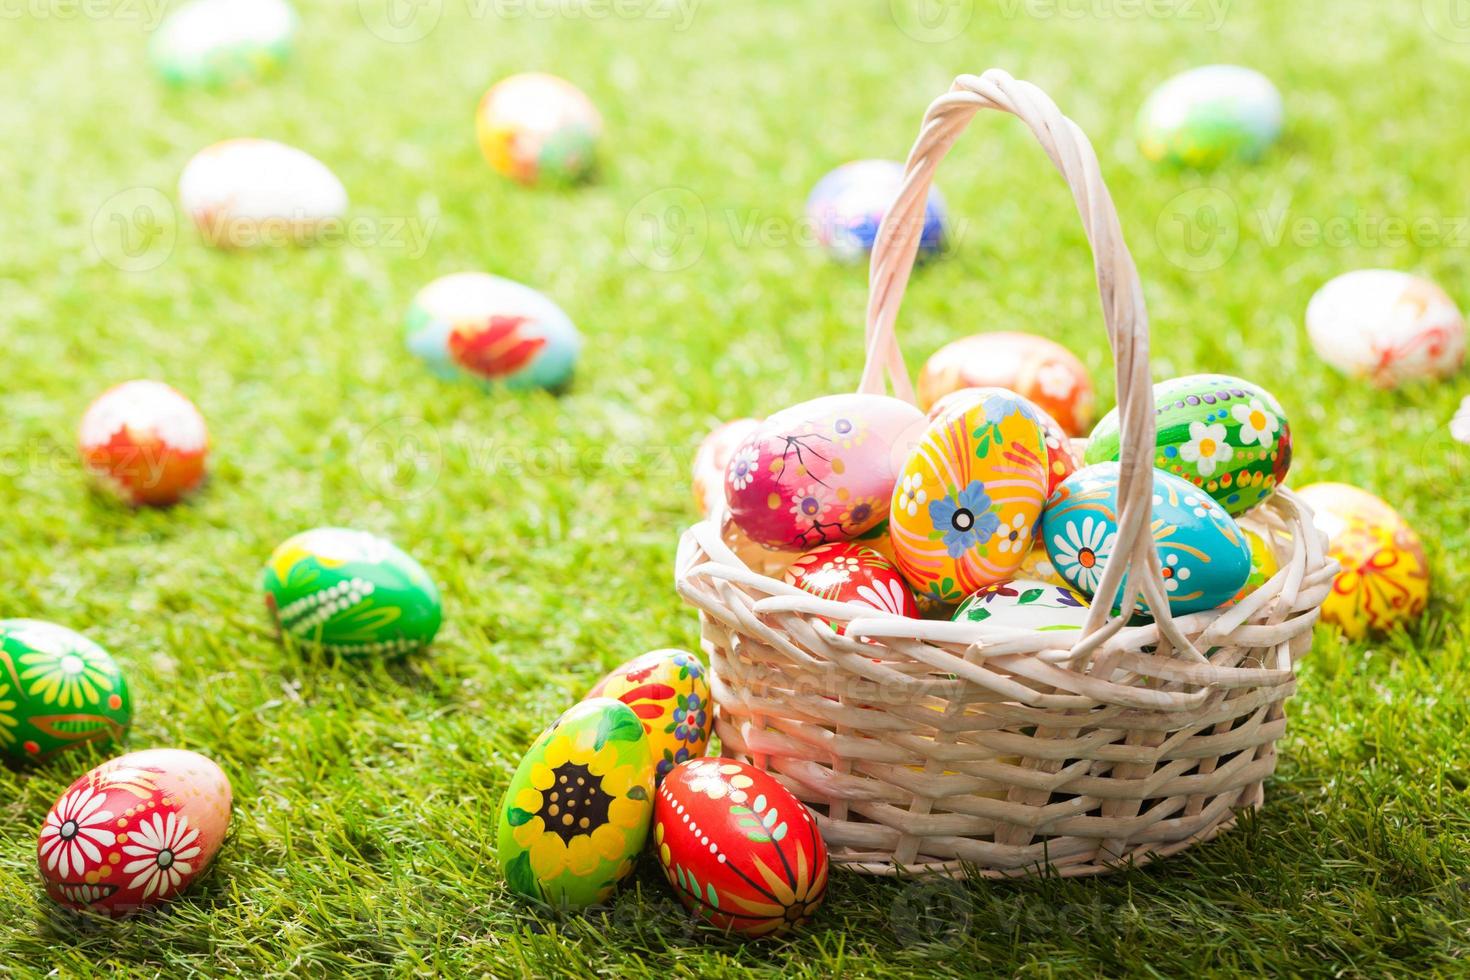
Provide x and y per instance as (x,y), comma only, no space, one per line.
(244,193)
(145,443)
(58,690)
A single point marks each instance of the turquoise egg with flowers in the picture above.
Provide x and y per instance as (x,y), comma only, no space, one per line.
(1205,556)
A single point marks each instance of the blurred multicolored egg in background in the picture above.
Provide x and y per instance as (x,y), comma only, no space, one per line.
(145,443)
(221,43)
(1045,372)
(472,325)
(1224,435)
(576,813)
(669,692)
(1210,115)
(713,458)
(244,193)
(821,471)
(354,593)
(1388,327)
(1384,578)
(58,690)
(847,207)
(538,128)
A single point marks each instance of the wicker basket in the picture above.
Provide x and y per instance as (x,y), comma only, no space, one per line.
(961,748)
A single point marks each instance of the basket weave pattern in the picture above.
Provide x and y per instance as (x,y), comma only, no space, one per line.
(959,747)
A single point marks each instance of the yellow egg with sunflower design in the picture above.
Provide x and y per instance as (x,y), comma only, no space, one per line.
(577,811)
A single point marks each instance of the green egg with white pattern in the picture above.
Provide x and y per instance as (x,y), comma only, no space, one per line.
(58,690)
(353,593)
(223,43)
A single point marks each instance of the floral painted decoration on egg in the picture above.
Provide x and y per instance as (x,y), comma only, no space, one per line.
(969,497)
(1061,456)
(1388,327)
(847,207)
(243,193)
(476,326)
(1224,435)
(1042,370)
(669,692)
(219,43)
(134,832)
(713,458)
(738,849)
(821,471)
(1209,115)
(58,690)
(538,128)
(1206,557)
(353,593)
(1026,604)
(1384,579)
(145,443)
(850,573)
(577,811)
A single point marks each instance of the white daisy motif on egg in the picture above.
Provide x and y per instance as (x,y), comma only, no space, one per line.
(914,495)
(163,847)
(1206,447)
(1174,573)
(742,468)
(1082,553)
(885,596)
(73,831)
(1011,537)
(1257,423)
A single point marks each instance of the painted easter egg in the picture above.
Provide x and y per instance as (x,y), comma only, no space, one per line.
(669,692)
(538,128)
(1062,457)
(215,43)
(1384,579)
(738,848)
(1388,327)
(847,206)
(58,690)
(1026,604)
(135,831)
(493,331)
(1263,565)
(243,193)
(353,593)
(1205,555)
(1224,435)
(821,471)
(969,497)
(1206,116)
(1037,565)
(1040,369)
(145,443)
(577,810)
(850,573)
(713,458)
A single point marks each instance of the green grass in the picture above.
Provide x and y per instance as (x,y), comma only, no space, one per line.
(363,834)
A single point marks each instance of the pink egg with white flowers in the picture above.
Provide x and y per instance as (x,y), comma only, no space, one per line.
(822,471)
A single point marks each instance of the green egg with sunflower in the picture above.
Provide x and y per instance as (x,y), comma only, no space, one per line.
(58,690)
(576,814)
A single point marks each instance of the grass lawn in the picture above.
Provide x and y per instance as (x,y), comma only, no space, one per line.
(363,836)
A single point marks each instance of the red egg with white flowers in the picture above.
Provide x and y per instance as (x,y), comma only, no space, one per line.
(145,442)
(134,832)
(713,458)
(738,848)
(856,575)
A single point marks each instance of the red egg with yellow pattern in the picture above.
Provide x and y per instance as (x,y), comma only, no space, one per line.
(1062,457)
(1040,369)
(145,442)
(134,832)
(738,848)
(851,573)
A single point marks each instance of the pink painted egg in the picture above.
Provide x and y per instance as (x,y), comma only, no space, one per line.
(851,573)
(713,457)
(144,442)
(821,471)
(738,848)
(1061,455)
(134,832)
(1042,370)
(969,497)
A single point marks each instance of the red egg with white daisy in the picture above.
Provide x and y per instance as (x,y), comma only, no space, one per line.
(145,442)
(134,832)
(856,575)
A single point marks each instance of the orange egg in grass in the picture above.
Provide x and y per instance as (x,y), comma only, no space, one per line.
(1041,370)
(145,443)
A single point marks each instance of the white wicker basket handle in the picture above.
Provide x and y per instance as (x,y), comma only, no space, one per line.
(1117,279)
